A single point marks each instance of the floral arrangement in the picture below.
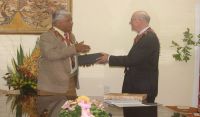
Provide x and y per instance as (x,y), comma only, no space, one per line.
(83,107)
(22,76)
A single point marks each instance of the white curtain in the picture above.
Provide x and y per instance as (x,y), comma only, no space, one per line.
(196,87)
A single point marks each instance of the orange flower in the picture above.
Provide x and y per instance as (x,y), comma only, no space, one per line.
(30,66)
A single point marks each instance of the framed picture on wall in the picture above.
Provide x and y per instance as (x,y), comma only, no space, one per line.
(29,16)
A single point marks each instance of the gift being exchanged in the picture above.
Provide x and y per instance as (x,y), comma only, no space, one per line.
(88,59)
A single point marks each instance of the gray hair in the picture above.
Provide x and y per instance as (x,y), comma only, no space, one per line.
(60,14)
(142,15)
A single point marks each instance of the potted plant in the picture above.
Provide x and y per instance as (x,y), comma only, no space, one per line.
(183,52)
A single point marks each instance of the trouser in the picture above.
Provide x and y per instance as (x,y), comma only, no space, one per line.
(144,111)
(49,103)
(49,106)
(148,111)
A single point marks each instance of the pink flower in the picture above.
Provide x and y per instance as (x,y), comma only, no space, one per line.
(84,105)
(66,105)
(85,108)
(86,113)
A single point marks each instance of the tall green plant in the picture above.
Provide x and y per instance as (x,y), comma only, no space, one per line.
(18,81)
(14,78)
(183,52)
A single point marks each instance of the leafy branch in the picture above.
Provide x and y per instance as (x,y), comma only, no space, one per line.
(183,53)
(178,115)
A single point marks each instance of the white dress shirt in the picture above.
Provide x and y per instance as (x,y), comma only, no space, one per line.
(75,57)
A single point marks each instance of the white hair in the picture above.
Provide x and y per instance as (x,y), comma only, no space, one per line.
(142,15)
(59,15)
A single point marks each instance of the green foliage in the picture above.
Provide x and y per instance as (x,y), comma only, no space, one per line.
(15,78)
(18,81)
(97,112)
(178,115)
(183,53)
(20,56)
(75,113)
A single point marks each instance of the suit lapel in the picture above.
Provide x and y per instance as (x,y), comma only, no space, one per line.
(136,44)
(141,38)
(59,38)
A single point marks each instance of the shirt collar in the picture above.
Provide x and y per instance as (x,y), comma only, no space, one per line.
(59,31)
(143,30)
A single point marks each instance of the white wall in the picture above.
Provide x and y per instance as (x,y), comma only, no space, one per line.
(105,26)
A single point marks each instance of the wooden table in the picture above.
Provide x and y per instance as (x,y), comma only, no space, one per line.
(187,111)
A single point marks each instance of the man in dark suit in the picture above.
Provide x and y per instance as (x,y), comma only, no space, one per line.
(141,65)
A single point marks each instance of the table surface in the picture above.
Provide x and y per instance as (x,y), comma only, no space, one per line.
(188,111)
(5,110)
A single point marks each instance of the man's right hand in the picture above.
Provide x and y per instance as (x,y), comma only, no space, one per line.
(103,59)
(82,48)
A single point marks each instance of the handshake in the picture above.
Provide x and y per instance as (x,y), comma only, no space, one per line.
(89,59)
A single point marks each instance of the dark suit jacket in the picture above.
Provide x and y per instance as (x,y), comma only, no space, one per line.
(141,66)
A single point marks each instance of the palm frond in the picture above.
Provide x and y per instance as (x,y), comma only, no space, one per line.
(20,56)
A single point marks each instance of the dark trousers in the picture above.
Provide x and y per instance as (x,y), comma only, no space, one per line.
(149,111)
(144,111)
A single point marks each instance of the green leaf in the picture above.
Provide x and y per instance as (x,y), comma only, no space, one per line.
(19,110)
(179,48)
(198,35)
(177,57)
(186,58)
(20,56)
(14,64)
(174,43)
(190,42)
(183,53)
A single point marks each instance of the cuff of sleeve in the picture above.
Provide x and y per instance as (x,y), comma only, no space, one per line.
(108,58)
(74,49)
